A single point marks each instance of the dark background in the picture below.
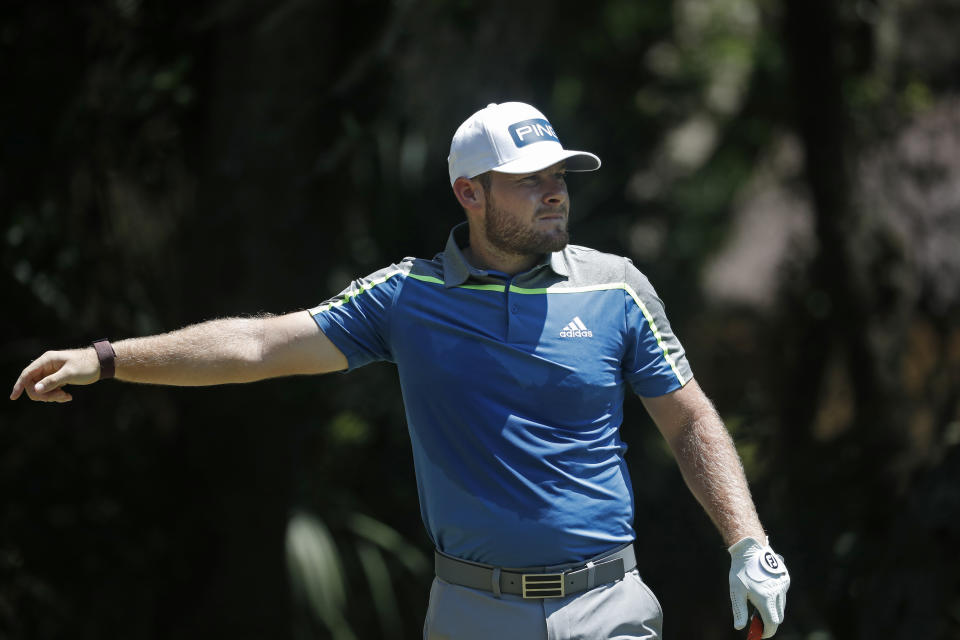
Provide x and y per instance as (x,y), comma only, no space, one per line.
(785,172)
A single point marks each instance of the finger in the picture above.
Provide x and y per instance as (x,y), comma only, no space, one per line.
(776,611)
(28,385)
(51,395)
(57,395)
(33,373)
(769,630)
(769,614)
(41,389)
(53,381)
(739,601)
(27,376)
(57,374)
(35,390)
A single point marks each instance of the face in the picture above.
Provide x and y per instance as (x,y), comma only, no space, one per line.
(527,214)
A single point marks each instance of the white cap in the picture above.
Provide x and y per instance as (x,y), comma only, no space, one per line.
(511,137)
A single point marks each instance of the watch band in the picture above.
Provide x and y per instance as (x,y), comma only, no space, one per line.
(106,355)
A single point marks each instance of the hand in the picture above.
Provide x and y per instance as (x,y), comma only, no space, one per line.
(759,575)
(45,377)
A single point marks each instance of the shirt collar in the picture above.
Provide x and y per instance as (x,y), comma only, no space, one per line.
(456,269)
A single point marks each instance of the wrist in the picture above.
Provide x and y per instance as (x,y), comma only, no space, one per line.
(106,356)
(740,530)
(746,542)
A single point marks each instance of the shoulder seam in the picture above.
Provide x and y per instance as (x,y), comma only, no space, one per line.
(656,333)
(397,271)
(626,326)
(393,301)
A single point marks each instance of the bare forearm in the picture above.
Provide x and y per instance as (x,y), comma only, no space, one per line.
(712,470)
(215,352)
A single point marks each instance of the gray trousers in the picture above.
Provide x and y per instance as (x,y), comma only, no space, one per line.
(625,609)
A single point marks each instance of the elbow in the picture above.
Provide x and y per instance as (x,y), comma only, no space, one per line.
(248,352)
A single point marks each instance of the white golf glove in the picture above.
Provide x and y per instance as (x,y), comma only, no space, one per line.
(758,575)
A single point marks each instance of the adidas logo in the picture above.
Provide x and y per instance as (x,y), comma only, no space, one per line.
(576,329)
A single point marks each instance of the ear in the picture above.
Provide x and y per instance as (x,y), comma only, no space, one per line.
(469,194)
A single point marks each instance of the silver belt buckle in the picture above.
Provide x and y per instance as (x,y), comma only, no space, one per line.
(542,585)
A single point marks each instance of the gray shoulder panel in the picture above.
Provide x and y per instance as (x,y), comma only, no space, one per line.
(366,283)
(652,307)
(589,267)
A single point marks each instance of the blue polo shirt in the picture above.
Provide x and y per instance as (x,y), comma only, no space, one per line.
(513,389)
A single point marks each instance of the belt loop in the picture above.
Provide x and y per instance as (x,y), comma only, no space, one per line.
(496,582)
(591,575)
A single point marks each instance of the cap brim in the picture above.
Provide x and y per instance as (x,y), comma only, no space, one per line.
(576,161)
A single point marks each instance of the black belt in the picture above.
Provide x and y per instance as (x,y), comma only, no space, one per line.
(536,582)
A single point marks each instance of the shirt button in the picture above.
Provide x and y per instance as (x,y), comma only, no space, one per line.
(514,308)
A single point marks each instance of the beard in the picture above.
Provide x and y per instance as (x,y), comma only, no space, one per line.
(510,235)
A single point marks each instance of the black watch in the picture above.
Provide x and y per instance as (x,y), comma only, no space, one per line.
(106,355)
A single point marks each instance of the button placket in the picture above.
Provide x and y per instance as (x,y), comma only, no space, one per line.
(510,307)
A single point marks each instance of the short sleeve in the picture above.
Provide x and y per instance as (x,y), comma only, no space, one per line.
(655,362)
(357,319)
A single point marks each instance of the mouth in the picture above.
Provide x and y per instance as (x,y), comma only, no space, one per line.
(552,215)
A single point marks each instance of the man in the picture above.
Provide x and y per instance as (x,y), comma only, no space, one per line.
(514,350)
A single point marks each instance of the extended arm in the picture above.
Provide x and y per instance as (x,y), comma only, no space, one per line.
(711,468)
(707,459)
(223,351)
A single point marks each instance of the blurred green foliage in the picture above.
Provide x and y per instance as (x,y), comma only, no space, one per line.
(784,171)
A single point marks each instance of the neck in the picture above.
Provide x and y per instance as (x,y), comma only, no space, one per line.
(483,255)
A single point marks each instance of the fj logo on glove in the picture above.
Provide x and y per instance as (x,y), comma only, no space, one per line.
(771,561)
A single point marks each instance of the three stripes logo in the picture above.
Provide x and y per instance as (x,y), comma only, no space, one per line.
(576,329)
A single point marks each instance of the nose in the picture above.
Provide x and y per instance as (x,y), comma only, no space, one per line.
(555,192)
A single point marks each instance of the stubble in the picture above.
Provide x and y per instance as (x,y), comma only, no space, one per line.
(510,235)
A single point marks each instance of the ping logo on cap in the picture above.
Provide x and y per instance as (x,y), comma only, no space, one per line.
(530,131)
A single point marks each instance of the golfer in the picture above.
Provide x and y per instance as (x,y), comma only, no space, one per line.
(514,351)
